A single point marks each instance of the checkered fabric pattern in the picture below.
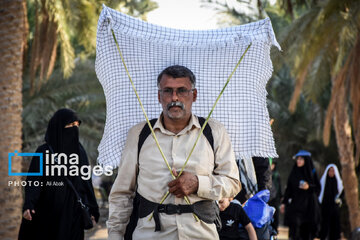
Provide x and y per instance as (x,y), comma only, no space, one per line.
(210,54)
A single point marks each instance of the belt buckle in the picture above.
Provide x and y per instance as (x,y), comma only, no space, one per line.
(172,209)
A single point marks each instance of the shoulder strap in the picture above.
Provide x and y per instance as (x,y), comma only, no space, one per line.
(145,132)
(207,132)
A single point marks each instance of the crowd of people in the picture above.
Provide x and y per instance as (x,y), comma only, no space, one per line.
(210,182)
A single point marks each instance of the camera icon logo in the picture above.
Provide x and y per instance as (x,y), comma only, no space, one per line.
(16,153)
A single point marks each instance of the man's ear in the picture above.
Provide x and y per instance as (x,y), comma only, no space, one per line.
(194,95)
(159,96)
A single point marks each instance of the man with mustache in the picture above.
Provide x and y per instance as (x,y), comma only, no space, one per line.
(211,173)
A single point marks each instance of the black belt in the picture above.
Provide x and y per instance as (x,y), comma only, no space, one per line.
(174,209)
(206,210)
(146,207)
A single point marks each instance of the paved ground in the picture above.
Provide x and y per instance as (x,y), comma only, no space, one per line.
(283,233)
(99,232)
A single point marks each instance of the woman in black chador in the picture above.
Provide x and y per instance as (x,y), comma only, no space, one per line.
(331,189)
(301,199)
(51,210)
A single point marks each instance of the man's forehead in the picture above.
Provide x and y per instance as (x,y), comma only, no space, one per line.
(167,80)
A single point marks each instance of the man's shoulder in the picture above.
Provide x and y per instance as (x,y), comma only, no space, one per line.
(215,123)
(216,126)
(137,127)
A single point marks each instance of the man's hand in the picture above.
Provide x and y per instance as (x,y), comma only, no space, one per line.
(27,214)
(186,184)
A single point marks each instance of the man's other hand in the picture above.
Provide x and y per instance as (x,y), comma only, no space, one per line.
(184,185)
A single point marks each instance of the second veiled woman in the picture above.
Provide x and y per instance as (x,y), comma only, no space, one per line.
(331,189)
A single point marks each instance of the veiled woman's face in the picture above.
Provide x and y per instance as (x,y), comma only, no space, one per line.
(300,161)
(331,172)
(73,124)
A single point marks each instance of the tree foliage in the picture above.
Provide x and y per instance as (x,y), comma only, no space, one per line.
(68,28)
(82,92)
(323,47)
(320,61)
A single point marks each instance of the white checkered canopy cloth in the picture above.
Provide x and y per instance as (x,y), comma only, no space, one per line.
(210,54)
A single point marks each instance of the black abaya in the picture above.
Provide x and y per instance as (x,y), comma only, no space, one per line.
(330,212)
(302,211)
(57,213)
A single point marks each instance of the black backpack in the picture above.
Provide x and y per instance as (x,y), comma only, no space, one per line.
(145,132)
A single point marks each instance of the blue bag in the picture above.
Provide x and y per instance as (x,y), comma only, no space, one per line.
(258,210)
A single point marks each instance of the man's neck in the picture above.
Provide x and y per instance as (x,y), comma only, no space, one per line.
(175,125)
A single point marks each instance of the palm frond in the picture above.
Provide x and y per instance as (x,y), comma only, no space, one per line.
(67,55)
(81,92)
(318,78)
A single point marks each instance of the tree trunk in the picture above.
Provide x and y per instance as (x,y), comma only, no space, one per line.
(346,151)
(12,32)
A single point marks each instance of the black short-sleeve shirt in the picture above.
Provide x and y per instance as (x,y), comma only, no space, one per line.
(230,219)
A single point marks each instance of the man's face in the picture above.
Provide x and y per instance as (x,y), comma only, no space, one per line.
(176,97)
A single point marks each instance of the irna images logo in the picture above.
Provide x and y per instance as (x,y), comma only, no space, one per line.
(16,153)
(59,165)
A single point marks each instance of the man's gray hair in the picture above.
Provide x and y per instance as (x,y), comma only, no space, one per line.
(177,71)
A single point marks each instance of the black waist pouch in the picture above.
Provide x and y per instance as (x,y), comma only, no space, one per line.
(208,211)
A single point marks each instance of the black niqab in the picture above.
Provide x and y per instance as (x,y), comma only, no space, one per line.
(61,139)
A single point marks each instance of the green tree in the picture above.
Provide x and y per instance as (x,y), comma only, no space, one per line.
(82,92)
(321,43)
(65,26)
(322,46)
(57,27)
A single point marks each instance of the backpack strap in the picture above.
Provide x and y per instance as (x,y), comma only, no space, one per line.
(207,132)
(145,132)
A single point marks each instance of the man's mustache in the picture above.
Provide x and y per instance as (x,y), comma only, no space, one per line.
(175,104)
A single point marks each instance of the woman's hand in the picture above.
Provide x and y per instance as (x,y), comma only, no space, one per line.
(93,220)
(27,214)
(282,208)
(304,185)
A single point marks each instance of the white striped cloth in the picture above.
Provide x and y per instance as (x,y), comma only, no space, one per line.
(210,54)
